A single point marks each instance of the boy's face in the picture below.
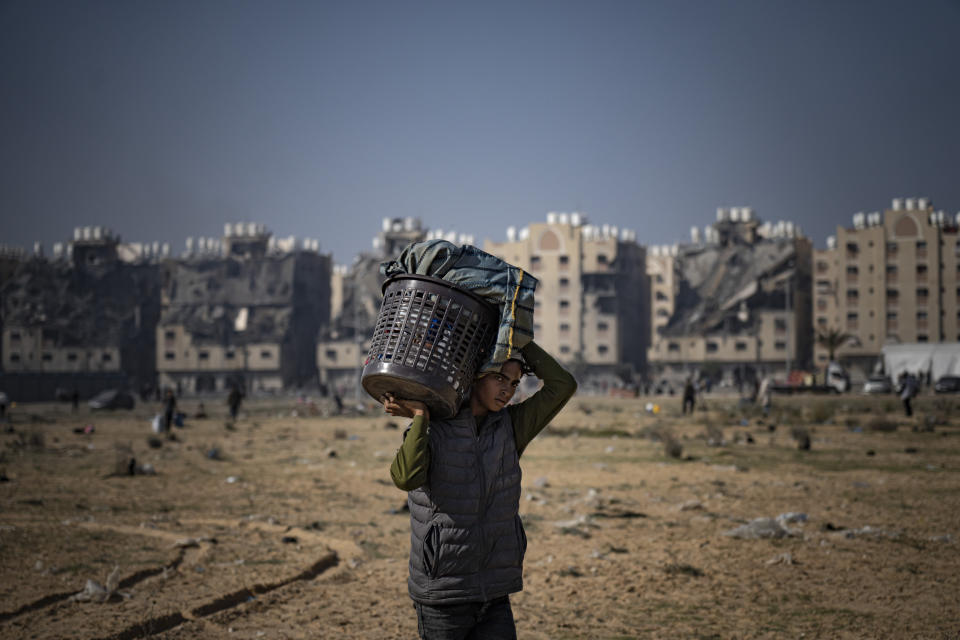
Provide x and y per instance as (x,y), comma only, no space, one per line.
(493,391)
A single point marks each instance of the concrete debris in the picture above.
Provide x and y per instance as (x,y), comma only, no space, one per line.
(791,517)
(872,532)
(715,279)
(759,528)
(783,558)
(93,591)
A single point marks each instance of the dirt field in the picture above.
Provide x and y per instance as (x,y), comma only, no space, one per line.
(287,525)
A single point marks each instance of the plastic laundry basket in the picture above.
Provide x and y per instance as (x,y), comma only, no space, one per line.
(429,339)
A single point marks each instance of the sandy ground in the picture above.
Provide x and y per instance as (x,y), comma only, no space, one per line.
(287,525)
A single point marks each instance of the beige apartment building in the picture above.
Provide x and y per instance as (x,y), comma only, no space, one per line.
(591,303)
(891,278)
(733,305)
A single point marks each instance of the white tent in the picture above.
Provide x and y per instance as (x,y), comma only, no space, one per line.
(936,358)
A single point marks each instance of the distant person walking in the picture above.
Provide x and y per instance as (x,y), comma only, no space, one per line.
(764,395)
(234,400)
(908,389)
(689,396)
(169,410)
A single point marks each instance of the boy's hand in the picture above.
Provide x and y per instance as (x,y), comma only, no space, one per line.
(404,408)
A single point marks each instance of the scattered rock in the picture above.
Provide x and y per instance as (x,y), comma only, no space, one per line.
(690,505)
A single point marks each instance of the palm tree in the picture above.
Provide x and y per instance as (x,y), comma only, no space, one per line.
(833,339)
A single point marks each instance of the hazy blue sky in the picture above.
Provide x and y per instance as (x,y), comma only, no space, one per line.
(164,119)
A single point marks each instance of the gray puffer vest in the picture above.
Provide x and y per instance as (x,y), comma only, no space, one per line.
(466,539)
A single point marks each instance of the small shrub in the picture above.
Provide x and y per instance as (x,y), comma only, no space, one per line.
(882,424)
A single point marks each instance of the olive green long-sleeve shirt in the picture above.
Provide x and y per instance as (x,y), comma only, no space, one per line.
(412,462)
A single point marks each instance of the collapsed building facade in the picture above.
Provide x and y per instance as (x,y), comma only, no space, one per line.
(592,305)
(243,311)
(82,321)
(356,297)
(734,305)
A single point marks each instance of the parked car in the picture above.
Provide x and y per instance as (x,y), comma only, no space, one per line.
(878,384)
(112,399)
(947,384)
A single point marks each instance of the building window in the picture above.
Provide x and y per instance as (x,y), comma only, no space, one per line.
(169,355)
(203,355)
(922,293)
(922,337)
(742,346)
(564,283)
(852,320)
(537,327)
(230,354)
(658,279)
(891,273)
(47,357)
(891,248)
(673,346)
(564,348)
(712,347)
(921,272)
(564,262)
(602,349)
(14,336)
(266,355)
(169,335)
(780,325)
(852,272)
(535,263)
(663,313)
(921,249)
(822,266)
(107,357)
(14,357)
(821,304)
(602,326)
(822,322)
(852,249)
(661,296)
(564,306)
(331,354)
(601,258)
(564,327)
(852,296)
(71,357)
(780,345)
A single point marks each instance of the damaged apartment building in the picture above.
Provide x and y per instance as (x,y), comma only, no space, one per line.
(82,321)
(891,278)
(733,305)
(355,302)
(244,311)
(592,303)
